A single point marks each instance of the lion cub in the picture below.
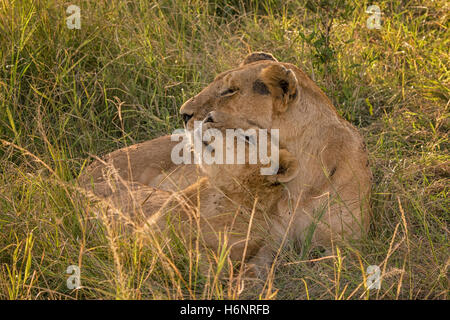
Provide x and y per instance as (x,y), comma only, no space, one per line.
(234,205)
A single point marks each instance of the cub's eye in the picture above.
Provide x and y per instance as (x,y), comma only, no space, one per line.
(228,92)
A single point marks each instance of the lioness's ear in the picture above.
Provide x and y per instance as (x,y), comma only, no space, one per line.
(282,84)
(288,167)
(256,56)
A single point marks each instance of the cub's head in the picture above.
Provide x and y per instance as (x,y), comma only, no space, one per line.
(259,89)
(234,152)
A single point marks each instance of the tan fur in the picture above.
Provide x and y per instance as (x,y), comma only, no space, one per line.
(147,163)
(334,178)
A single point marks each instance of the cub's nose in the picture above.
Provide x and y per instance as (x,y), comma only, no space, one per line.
(186,117)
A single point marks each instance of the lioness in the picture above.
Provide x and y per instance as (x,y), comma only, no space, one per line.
(233,204)
(330,195)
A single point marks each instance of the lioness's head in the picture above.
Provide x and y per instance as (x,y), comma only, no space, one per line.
(258,89)
(234,150)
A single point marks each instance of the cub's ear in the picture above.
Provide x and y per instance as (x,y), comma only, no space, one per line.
(256,56)
(288,167)
(282,84)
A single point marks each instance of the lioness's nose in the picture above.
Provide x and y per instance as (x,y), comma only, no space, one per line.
(186,110)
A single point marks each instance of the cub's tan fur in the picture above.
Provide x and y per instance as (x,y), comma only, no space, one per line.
(332,188)
(148,163)
(232,204)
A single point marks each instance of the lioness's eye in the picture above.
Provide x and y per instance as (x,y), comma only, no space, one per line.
(228,92)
